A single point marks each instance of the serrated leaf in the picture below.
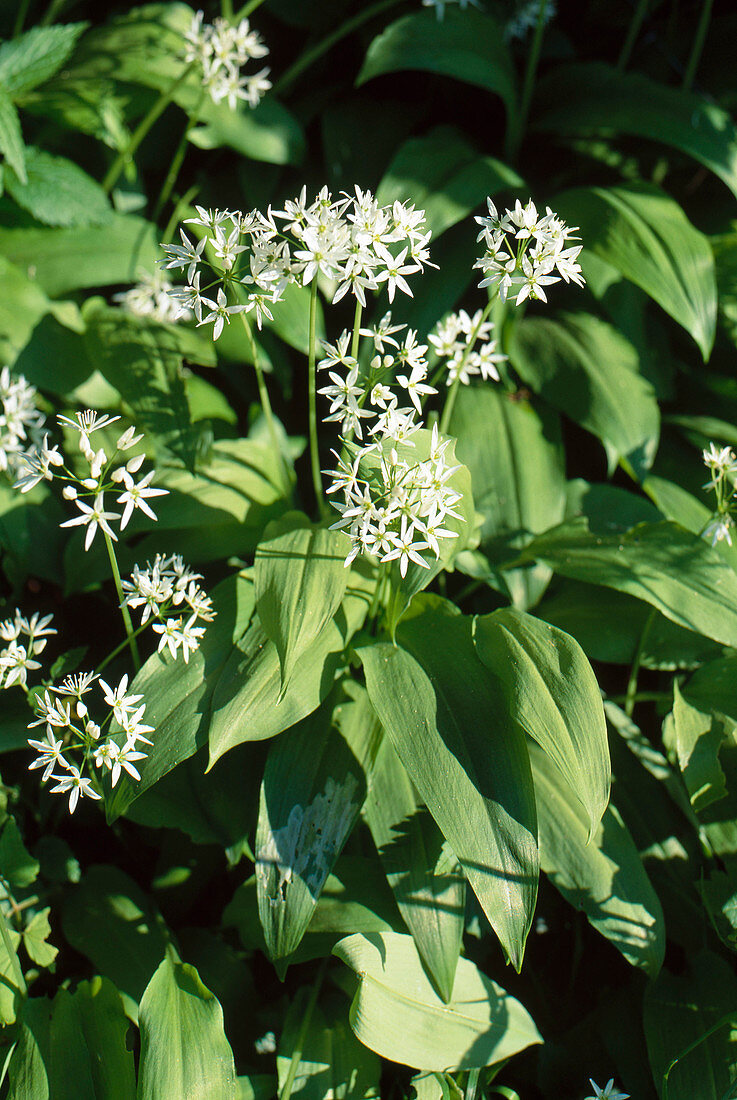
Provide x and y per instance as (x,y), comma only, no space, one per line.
(57,192)
(35,935)
(33,57)
(397,1013)
(11,137)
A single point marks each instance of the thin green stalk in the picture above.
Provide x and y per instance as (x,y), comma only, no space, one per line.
(311,55)
(177,160)
(12,954)
(517,129)
(181,204)
(450,400)
(246,10)
(226,10)
(638,17)
(312,394)
(55,8)
(356,326)
(20,17)
(286,1091)
(698,44)
(631,694)
(132,643)
(119,648)
(143,127)
(729,1018)
(472,1084)
(263,394)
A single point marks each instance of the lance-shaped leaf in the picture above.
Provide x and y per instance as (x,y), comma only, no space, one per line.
(551,690)
(89,1056)
(300,580)
(312,792)
(397,1013)
(603,876)
(431,896)
(184,1051)
(448,721)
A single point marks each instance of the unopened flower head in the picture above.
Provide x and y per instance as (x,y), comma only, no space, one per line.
(21,422)
(221,50)
(168,595)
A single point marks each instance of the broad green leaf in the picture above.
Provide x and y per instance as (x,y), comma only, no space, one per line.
(551,691)
(445,176)
(35,56)
(645,235)
(679,1012)
(17,866)
(11,137)
(11,994)
(268,132)
(184,1051)
(178,694)
(35,937)
(514,452)
(57,192)
(22,305)
(447,719)
(397,1013)
(27,1071)
(594,97)
(661,563)
(469,46)
(712,688)
(698,739)
(431,897)
(247,704)
(299,581)
(312,792)
(89,1055)
(587,369)
(677,504)
(604,877)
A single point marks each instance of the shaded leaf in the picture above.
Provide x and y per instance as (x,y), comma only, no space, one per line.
(57,192)
(11,138)
(89,1055)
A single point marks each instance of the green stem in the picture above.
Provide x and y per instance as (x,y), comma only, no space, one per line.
(312,394)
(175,218)
(472,1084)
(263,394)
(119,647)
(54,9)
(20,17)
(451,398)
(311,55)
(517,130)
(226,10)
(633,31)
(12,954)
(121,600)
(177,160)
(143,127)
(246,10)
(698,44)
(356,326)
(631,694)
(729,1018)
(286,1091)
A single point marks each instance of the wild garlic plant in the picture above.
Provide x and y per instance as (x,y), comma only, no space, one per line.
(220,50)
(21,422)
(721,463)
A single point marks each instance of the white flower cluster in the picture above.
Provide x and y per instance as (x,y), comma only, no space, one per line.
(74,741)
(525,252)
(254,257)
(721,463)
(21,421)
(169,596)
(152,298)
(525,16)
(393,505)
(607,1092)
(454,340)
(221,50)
(47,463)
(23,640)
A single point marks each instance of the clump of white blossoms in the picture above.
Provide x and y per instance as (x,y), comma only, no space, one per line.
(221,50)
(722,465)
(250,259)
(169,597)
(524,252)
(455,339)
(152,298)
(525,16)
(104,473)
(76,744)
(23,639)
(608,1092)
(392,504)
(21,421)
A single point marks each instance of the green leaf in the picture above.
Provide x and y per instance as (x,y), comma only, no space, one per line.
(603,876)
(57,192)
(247,704)
(17,865)
(645,235)
(299,580)
(35,56)
(397,1013)
(11,994)
(445,176)
(698,738)
(514,452)
(661,563)
(430,896)
(27,1071)
(184,1051)
(551,691)
(469,46)
(35,935)
(89,1055)
(594,97)
(312,792)
(268,132)
(11,137)
(447,719)
(587,369)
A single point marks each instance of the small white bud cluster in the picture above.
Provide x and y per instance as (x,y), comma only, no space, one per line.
(525,252)
(74,741)
(151,298)
(721,463)
(170,598)
(23,640)
(21,421)
(105,473)
(455,339)
(221,50)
